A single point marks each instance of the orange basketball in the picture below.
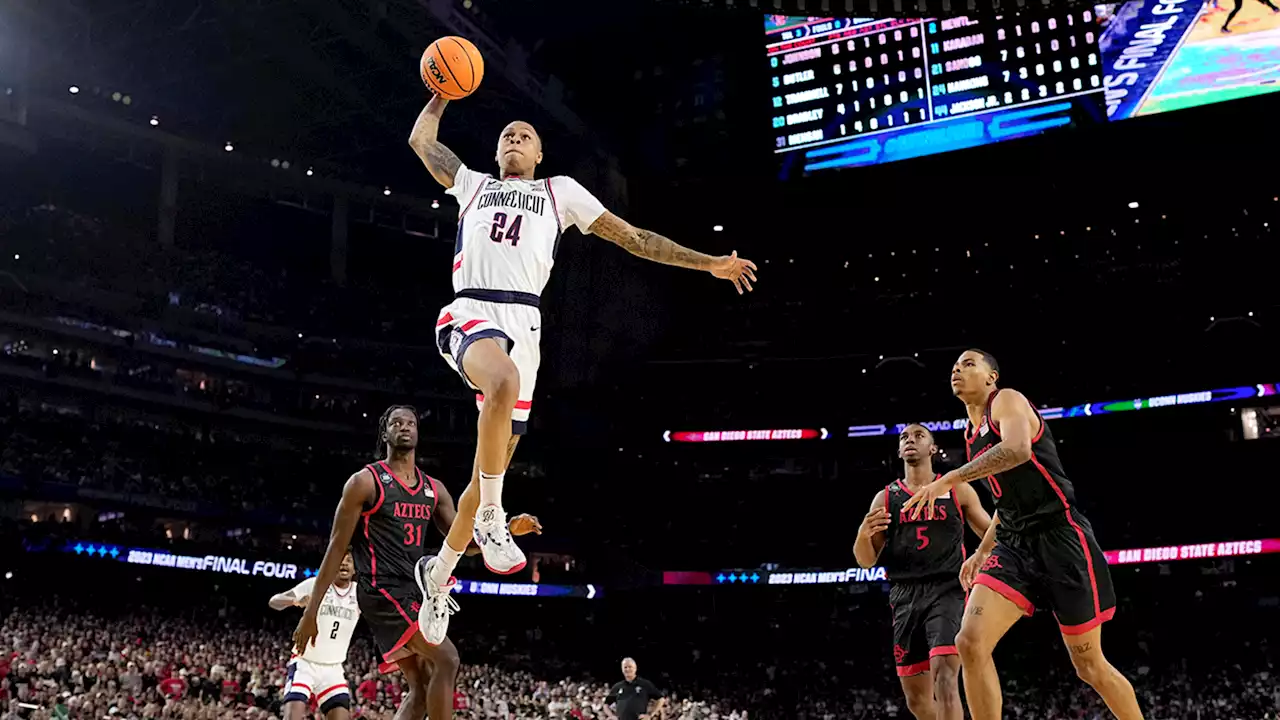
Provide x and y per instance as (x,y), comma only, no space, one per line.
(452,67)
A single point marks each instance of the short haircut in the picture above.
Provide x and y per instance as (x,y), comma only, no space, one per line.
(988,357)
(922,426)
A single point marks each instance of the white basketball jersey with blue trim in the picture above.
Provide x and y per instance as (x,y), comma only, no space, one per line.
(509,230)
(339,613)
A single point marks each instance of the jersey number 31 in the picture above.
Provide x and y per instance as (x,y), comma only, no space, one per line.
(500,230)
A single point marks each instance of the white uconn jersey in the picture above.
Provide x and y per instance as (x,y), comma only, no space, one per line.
(509,230)
(337,619)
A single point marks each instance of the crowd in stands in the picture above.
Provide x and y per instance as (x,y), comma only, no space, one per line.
(63,658)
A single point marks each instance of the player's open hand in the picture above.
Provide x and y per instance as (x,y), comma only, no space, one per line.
(524,524)
(923,500)
(739,271)
(306,633)
(876,521)
(970,569)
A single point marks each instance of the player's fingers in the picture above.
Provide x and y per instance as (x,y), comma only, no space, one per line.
(747,284)
(749,271)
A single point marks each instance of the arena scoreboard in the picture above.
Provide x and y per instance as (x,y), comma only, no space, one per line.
(848,92)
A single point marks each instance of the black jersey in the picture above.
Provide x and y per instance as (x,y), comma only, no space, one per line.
(389,539)
(927,548)
(1033,495)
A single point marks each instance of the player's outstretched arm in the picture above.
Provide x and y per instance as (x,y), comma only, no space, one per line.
(282,601)
(446,511)
(358,491)
(870,542)
(652,246)
(440,160)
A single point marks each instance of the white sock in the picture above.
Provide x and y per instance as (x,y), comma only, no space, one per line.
(491,489)
(444,567)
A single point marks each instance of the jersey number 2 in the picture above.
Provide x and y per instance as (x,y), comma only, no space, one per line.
(922,537)
(333,634)
(412,534)
(500,230)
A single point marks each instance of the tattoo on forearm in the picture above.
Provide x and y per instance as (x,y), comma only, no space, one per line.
(647,244)
(1081,649)
(998,459)
(441,161)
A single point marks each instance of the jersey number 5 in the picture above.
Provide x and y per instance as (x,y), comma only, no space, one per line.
(500,230)
(922,537)
(412,534)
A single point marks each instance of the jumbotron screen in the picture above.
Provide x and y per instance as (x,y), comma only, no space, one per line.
(1162,55)
(850,92)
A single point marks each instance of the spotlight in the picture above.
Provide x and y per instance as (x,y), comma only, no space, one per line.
(275,162)
(126,100)
(74,89)
(154,121)
(435,204)
(1133,205)
(16,256)
(116,96)
(228,147)
(718,228)
(386,191)
(284,164)
(8,576)
(310,172)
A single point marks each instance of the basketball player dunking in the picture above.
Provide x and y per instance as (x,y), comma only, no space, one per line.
(391,501)
(1043,552)
(923,557)
(508,230)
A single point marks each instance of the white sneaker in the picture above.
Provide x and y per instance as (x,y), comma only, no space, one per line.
(438,604)
(500,552)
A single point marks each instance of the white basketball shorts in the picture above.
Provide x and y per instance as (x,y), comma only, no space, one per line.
(516,326)
(307,681)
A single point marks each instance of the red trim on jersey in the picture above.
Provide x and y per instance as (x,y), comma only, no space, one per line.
(466,326)
(381,495)
(520,404)
(448,318)
(373,557)
(1007,592)
(555,206)
(326,691)
(1086,627)
(403,484)
(408,633)
(908,670)
(457,264)
(479,187)
(434,492)
(1040,433)
(1084,544)
(386,668)
(293,685)
(943,650)
(904,487)
(991,422)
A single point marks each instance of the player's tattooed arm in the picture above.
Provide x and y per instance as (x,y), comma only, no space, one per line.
(440,160)
(1018,424)
(648,244)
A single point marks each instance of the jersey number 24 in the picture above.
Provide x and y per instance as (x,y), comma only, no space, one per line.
(501,230)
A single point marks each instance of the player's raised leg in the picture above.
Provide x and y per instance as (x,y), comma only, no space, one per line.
(987,618)
(480,514)
(1093,668)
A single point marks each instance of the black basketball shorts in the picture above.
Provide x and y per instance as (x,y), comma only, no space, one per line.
(391,609)
(926,618)
(1060,567)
